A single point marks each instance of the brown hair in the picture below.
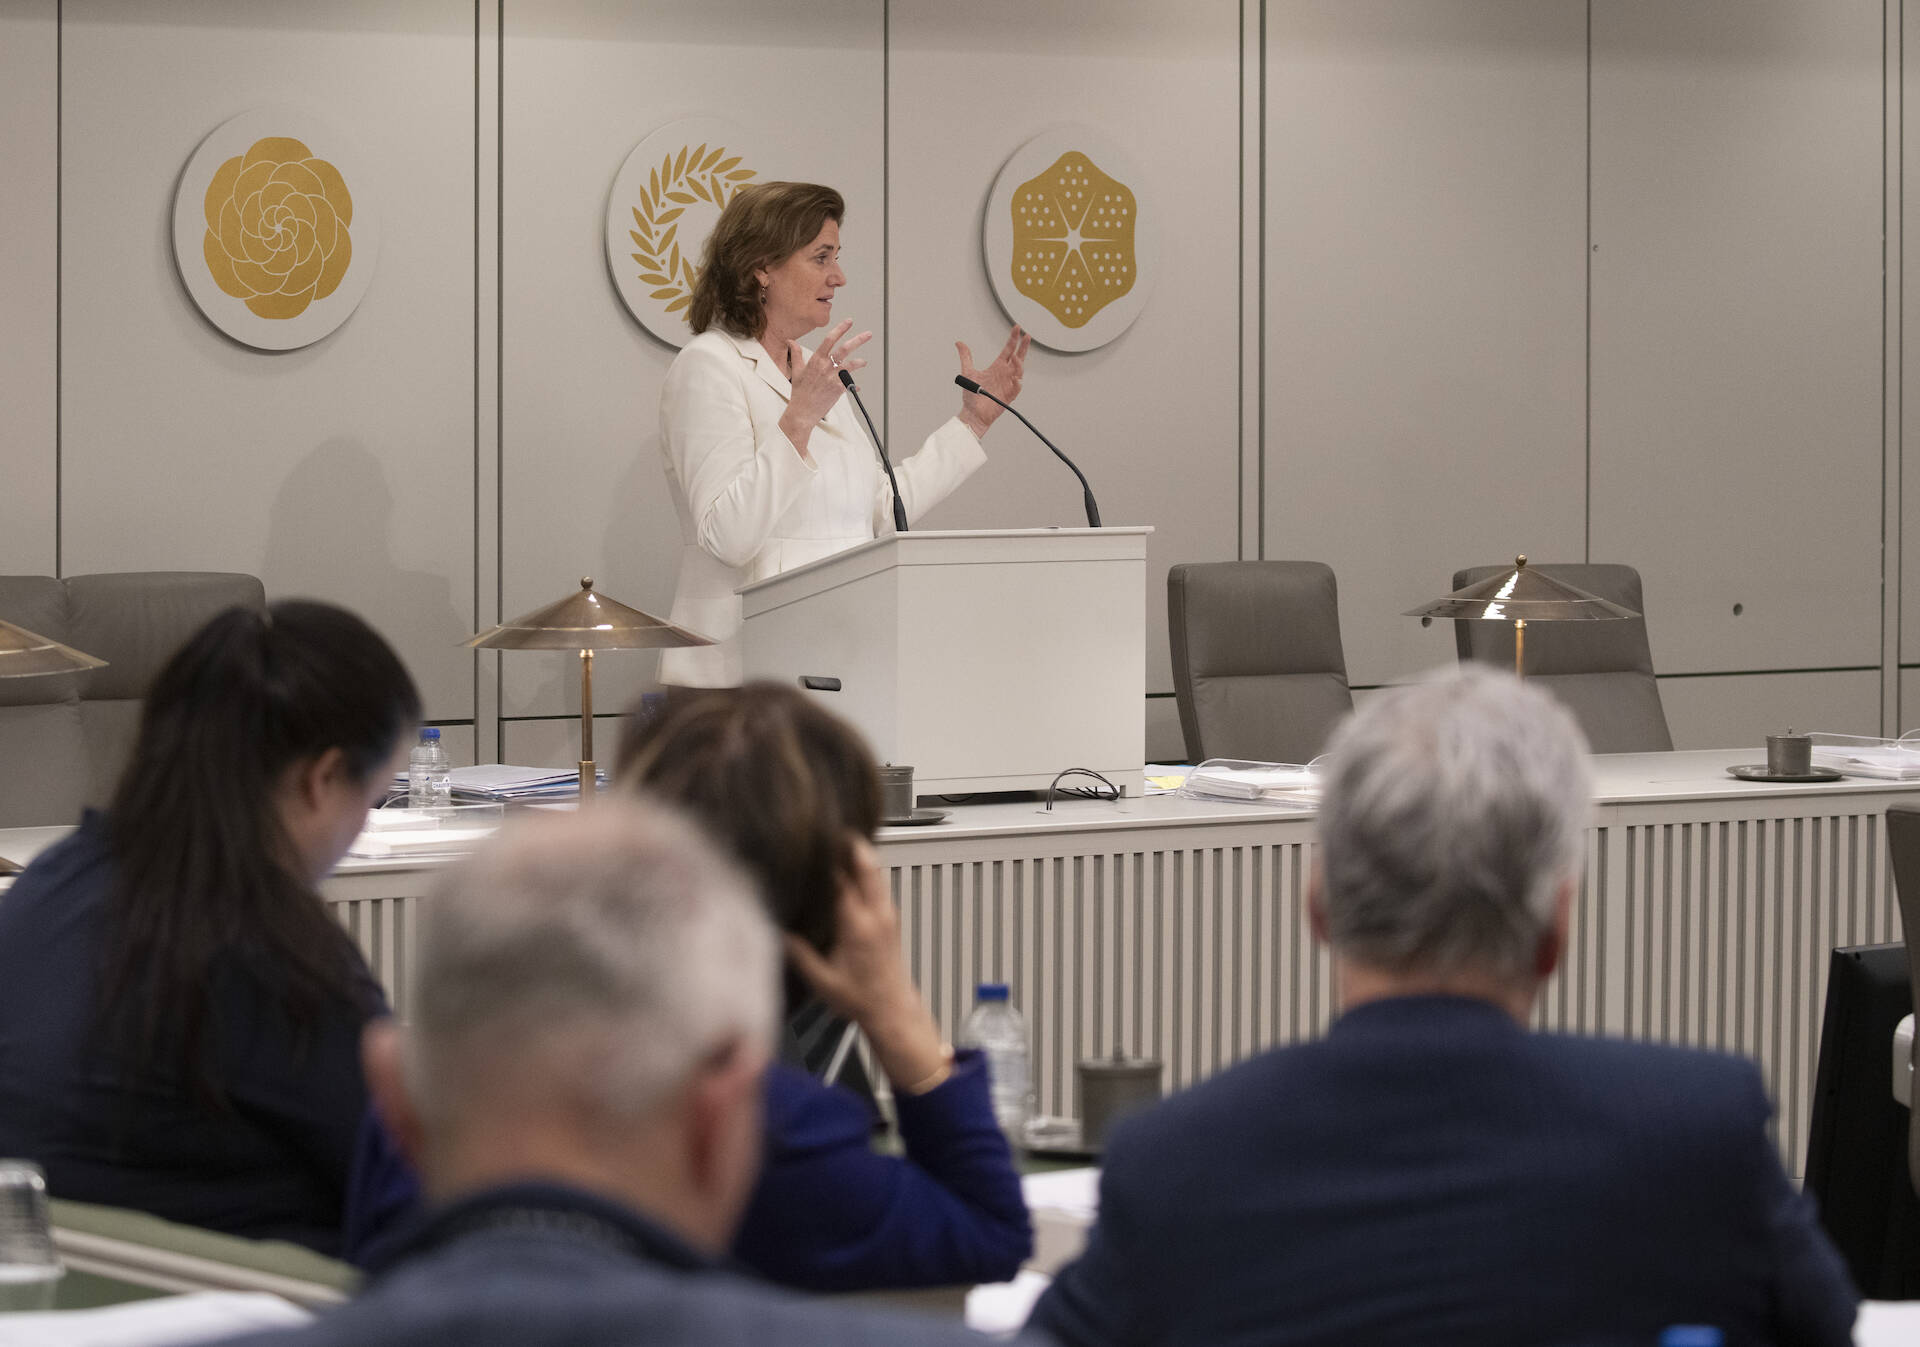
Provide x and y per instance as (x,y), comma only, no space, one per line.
(764,224)
(786,784)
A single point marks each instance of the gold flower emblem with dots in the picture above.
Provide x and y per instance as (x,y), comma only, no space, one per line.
(1073,239)
(277,223)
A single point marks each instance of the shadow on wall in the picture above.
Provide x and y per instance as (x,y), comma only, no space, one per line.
(330,537)
(639,556)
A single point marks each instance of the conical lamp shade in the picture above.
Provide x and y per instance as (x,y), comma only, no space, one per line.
(1523,595)
(24,653)
(586,621)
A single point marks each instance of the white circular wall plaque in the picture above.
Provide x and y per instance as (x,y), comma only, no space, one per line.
(665,201)
(1070,247)
(274,228)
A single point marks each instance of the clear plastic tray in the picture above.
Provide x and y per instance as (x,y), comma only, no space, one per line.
(1288,784)
(1866,755)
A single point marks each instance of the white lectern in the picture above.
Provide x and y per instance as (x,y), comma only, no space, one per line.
(985,660)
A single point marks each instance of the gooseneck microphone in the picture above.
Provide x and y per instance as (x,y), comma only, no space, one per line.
(1093,511)
(899,510)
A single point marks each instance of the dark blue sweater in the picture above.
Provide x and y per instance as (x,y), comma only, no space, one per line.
(828,1214)
(273,1164)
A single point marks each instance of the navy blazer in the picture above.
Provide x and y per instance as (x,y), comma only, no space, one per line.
(1432,1173)
(530,1264)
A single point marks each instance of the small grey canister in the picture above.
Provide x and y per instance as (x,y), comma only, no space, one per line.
(1110,1089)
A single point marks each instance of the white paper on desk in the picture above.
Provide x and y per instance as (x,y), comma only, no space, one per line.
(424,842)
(153,1323)
(1000,1309)
(1075,1192)
(1887,1323)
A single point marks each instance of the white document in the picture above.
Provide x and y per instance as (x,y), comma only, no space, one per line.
(153,1323)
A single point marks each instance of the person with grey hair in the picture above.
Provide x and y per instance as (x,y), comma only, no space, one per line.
(1432,1171)
(597,996)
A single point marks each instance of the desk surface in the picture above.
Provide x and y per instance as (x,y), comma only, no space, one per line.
(1619,779)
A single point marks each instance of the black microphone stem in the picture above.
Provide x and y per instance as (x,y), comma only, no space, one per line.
(1093,511)
(899,510)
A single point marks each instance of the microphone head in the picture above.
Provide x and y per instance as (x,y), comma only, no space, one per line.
(966,383)
(846,377)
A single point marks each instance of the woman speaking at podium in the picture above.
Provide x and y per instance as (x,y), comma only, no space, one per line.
(767,461)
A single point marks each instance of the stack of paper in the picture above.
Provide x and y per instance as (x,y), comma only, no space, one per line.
(1259,782)
(499,781)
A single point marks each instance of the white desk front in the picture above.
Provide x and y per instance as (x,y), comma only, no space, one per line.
(1178,928)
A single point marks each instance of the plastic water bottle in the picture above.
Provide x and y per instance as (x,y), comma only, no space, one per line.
(30,1267)
(1000,1032)
(429,774)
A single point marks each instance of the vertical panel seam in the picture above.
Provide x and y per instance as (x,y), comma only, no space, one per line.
(1260,431)
(1586,417)
(59,294)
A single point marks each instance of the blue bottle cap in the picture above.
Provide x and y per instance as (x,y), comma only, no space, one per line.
(991,991)
(429,731)
(1691,1335)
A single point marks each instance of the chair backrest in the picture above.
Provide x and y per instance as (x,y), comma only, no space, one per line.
(1257,664)
(1602,671)
(65,738)
(1903,846)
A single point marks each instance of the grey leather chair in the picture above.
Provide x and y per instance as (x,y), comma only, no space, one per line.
(1257,664)
(65,737)
(1602,671)
(1903,845)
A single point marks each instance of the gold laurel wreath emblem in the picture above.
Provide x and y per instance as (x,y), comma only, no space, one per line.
(697,174)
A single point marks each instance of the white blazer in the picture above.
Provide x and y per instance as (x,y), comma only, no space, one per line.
(751,507)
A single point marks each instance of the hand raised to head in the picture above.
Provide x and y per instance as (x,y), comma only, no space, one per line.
(1001,378)
(865,976)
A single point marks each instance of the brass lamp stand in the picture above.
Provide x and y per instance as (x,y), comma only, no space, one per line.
(1521,596)
(587,621)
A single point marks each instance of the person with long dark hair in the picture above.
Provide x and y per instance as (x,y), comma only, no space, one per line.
(180,1017)
(792,790)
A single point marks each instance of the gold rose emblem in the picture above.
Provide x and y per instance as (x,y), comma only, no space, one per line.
(683,179)
(277,227)
(1073,239)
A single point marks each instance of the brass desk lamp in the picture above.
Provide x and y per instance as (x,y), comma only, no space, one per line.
(587,621)
(1521,596)
(27,654)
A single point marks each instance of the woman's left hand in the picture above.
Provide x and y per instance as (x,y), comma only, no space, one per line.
(865,978)
(1001,378)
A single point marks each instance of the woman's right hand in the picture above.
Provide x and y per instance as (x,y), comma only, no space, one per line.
(865,978)
(816,381)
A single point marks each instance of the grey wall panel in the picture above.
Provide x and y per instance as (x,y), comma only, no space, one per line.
(1152,418)
(1909,702)
(343,470)
(29,240)
(1737,180)
(583,491)
(1732,711)
(556,743)
(1425,299)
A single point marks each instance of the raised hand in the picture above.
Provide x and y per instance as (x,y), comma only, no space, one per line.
(865,978)
(1001,378)
(816,380)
